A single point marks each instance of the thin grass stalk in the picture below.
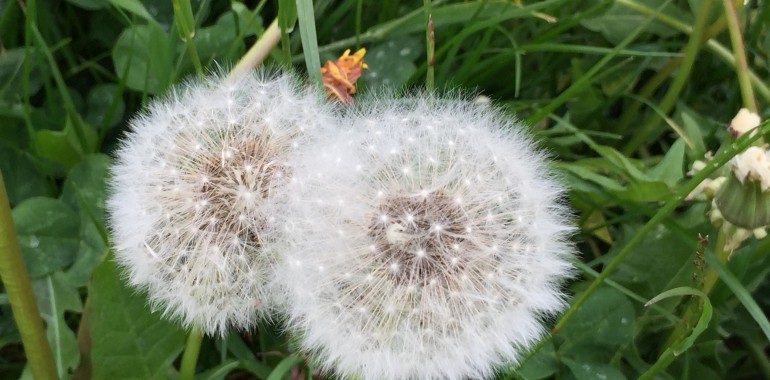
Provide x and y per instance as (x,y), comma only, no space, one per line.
(739,52)
(683,75)
(430,47)
(713,45)
(306,18)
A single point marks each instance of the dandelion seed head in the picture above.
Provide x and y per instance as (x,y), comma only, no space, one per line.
(189,222)
(453,286)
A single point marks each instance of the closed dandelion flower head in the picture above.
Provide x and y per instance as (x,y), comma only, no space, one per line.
(190,186)
(427,241)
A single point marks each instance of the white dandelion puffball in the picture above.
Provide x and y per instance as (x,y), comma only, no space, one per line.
(189,189)
(427,241)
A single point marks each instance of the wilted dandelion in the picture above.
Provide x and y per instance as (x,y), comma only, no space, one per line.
(427,241)
(340,76)
(189,190)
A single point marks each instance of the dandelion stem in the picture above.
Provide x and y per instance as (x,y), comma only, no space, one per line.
(19,290)
(739,52)
(259,51)
(190,358)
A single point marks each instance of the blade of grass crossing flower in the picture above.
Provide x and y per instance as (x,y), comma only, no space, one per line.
(740,292)
(284,367)
(307,31)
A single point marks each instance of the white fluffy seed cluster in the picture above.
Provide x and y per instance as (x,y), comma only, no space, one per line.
(402,239)
(424,240)
(190,189)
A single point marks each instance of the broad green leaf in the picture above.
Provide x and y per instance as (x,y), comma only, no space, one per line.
(104,100)
(22,179)
(85,190)
(542,365)
(135,7)
(48,234)
(54,298)
(618,22)
(694,127)
(65,147)
(249,22)
(12,62)
(662,261)
(213,44)
(670,169)
(143,57)
(391,64)
(128,340)
(593,371)
(602,324)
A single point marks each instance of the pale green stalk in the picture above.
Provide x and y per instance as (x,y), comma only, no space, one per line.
(19,290)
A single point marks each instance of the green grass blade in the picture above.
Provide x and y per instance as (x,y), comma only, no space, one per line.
(307,31)
(740,292)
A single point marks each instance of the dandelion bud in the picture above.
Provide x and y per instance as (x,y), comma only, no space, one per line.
(743,122)
(743,199)
(428,241)
(190,186)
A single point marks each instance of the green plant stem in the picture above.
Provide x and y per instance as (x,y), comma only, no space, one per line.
(713,45)
(672,95)
(739,52)
(661,364)
(430,47)
(22,299)
(190,358)
(185,22)
(259,51)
